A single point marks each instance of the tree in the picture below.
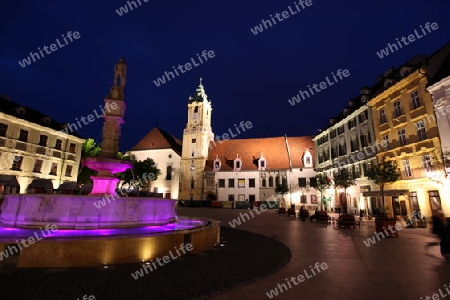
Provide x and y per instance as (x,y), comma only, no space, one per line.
(321,183)
(281,189)
(385,172)
(88,149)
(344,179)
(141,175)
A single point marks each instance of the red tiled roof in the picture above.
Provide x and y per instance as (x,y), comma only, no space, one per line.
(158,139)
(274,151)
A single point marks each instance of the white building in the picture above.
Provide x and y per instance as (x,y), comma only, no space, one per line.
(165,150)
(348,145)
(34,147)
(439,88)
(250,169)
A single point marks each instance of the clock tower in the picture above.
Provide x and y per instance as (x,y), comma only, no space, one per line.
(196,140)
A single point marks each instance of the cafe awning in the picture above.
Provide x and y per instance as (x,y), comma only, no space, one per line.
(9,180)
(39,183)
(388,193)
(69,185)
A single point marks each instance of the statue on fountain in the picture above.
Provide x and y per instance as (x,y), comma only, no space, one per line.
(120,71)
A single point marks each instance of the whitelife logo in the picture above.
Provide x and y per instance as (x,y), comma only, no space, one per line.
(318,266)
(165,260)
(284,15)
(391,48)
(27,61)
(187,67)
(319,87)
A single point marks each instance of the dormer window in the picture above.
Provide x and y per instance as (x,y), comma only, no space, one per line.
(21,110)
(388,83)
(262,163)
(47,120)
(307,159)
(217,164)
(237,164)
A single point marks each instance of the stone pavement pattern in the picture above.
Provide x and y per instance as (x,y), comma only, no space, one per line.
(250,265)
(188,277)
(393,268)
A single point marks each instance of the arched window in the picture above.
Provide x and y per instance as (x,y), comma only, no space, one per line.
(270,181)
(277,180)
(169,173)
(192,183)
(264,182)
(283,181)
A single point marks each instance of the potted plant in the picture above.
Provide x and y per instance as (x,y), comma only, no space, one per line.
(385,172)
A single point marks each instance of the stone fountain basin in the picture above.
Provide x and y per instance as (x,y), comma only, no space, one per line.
(85,212)
(99,163)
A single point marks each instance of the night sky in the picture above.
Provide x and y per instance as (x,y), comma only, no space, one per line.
(250,78)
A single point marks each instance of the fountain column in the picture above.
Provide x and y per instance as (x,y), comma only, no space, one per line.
(107,163)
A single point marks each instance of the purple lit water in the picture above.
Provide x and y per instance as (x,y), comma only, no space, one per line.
(12,234)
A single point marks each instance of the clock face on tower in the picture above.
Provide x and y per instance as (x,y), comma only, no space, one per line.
(195,117)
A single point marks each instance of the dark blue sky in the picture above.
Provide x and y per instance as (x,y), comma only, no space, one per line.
(250,78)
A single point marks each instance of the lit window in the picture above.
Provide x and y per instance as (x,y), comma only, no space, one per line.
(421,132)
(426,162)
(383,118)
(398,111)
(402,137)
(407,171)
(415,100)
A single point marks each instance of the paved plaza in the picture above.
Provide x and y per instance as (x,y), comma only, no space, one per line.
(254,261)
(393,268)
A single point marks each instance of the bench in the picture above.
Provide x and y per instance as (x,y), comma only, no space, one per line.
(321,217)
(347,221)
(291,212)
(281,210)
(303,214)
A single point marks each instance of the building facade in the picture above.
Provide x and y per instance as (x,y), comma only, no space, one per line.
(196,140)
(239,170)
(348,146)
(439,88)
(165,150)
(404,116)
(34,147)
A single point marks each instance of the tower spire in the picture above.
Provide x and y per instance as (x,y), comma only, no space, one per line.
(200,94)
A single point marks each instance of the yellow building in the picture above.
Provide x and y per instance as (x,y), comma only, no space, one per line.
(403,116)
(37,153)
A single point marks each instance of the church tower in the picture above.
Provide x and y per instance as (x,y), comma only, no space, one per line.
(196,139)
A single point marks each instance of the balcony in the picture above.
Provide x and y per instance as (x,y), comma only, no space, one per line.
(2,142)
(21,146)
(416,113)
(56,153)
(40,150)
(71,157)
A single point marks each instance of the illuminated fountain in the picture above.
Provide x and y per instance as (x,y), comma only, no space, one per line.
(147,227)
